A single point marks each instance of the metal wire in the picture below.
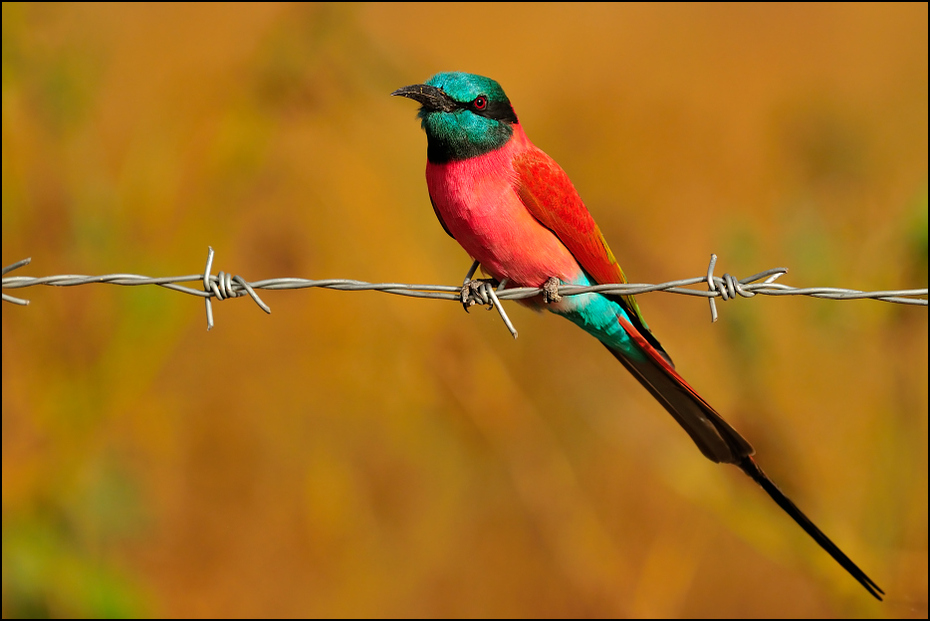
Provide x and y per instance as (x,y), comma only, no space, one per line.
(223,285)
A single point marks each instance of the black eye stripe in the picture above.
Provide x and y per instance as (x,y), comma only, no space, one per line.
(496,110)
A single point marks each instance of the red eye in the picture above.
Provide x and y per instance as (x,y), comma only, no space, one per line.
(480,103)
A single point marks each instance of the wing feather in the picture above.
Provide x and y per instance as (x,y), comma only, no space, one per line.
(548,194)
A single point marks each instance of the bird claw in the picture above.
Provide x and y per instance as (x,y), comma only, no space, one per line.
(478,292)
(550,290)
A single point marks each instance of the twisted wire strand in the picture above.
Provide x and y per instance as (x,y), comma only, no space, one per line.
(224,285)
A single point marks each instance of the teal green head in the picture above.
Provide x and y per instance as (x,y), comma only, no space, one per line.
(463,115)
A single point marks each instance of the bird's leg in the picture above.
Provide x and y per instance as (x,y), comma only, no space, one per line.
(476,291)
(471,272)
(551,290)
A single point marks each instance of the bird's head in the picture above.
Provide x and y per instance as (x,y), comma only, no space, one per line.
(464,115)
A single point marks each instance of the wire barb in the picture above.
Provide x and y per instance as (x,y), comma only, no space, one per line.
(728,286)
(224,285)
(7,270)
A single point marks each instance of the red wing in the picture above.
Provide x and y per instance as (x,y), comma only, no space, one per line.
(550,197)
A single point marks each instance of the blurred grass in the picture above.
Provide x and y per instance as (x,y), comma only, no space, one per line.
(354,455)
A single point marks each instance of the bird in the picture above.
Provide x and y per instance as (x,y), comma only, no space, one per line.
(516,213)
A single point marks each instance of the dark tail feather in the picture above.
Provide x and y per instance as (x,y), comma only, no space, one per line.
(718,440)
(750,467)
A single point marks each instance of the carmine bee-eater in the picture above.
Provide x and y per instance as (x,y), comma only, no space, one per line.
(515,211)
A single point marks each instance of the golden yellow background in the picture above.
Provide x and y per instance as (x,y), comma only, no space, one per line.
(361,454)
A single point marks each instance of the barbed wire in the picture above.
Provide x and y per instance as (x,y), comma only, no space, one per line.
(482,292)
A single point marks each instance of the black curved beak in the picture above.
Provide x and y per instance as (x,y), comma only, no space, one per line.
(431,98)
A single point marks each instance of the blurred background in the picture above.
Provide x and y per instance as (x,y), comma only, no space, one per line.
(359,454)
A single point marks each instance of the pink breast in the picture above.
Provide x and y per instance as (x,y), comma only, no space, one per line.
(479,205)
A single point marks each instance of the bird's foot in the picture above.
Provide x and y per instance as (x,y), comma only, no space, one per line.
(478,292)
(551,290)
